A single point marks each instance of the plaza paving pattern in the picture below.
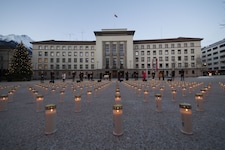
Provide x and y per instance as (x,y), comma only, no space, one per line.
(22,128)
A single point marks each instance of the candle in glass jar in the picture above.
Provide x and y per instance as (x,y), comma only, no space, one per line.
(50,118)
(3,102)
(174,92)
(77,103)
(117,98)
(117,119)
(186,118)
(158,99)
(199,101)
(39,103)
(146,95)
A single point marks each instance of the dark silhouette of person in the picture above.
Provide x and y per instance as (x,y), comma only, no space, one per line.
(182,75)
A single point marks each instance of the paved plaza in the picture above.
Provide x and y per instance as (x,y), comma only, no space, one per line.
(22,128)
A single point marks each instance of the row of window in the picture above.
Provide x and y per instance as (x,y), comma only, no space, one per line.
(154,46)
(66,47)
(179,58)
(166,52)
(58,54)
(64,60)
(65,67)
(221,51)
(173,65)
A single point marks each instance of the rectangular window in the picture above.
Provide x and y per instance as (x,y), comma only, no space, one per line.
(142,59)
(75,60)
(166,58)
(81,54)
(86,60)
(63,53)
(92,66)
(136,59)
(52,54)
(192,51)
(142,66)
(192,44)
(148,52)
(192,57)
(172,45)
(39,53)
(185,51)
(57,67)
(86,54)
(185,44)
(57,60)
(86,47)
(81,60)
(142,47)
(52,60)
(148,59)
(172,52)
(172,58)
(136,53)
(154,52)
(64,47)
(114,49)
(148,46)
(192,64)
(81,66)
(166,52)
(166,45)
(75,53)
(69,66)
(75,47)
(185,58)
(81,47)
(92,60)
(75,66)
(57,54)
(69,60)
(46,60)
(136,66)
(92,47)
(178,45)
(121,50)
(92,54)
(142,53)
(51,67)
(69,53)
(46,53)
(179,58)
(86,66)
(179,65)
(39,60)
(57,47)
(107,50)
(160,59)
(160,52)
(154,46)
(178,51)
(63,60)
(160,45)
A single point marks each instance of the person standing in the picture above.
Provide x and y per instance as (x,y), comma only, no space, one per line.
(42,76)
(182,75)
(64,77)
(52,74)
(73,74)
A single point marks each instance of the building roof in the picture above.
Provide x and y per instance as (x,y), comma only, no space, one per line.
(114,32)
(111,33)
(169,40)
(53,42)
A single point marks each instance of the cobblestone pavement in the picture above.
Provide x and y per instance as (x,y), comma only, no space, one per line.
(21,127)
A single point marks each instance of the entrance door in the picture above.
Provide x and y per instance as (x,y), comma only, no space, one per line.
(114,73)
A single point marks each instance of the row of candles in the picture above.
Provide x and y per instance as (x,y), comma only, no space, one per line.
(50,109)
(185,108)
(5,98)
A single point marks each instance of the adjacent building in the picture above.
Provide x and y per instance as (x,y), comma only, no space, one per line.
(213,58)
(115,52)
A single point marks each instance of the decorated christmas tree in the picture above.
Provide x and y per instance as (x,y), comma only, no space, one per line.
(20,68)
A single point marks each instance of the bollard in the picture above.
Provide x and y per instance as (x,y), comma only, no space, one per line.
(39,103)
(117,119)
(3,102)
(50,118)
(77,103)
(158,99)
(199,100)
(185,110)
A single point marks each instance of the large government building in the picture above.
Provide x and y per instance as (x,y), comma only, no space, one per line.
(114,51)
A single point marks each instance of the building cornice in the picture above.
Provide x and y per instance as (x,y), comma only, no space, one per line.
(53,42)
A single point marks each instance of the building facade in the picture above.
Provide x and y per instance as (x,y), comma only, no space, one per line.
(213,58)
(115,52)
